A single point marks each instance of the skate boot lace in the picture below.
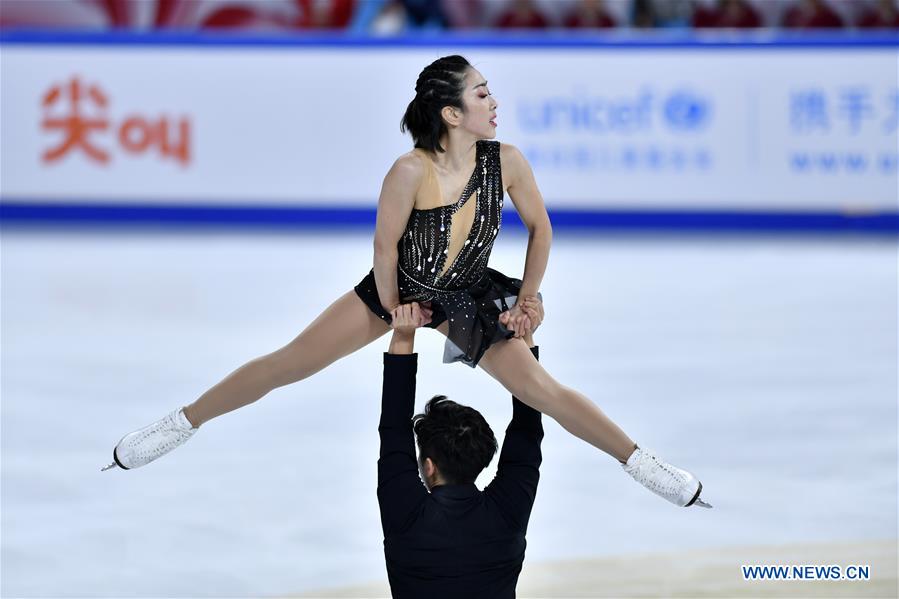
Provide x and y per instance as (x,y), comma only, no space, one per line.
(658,476)
(157,439)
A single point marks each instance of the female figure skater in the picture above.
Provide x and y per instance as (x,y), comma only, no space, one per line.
(439,213)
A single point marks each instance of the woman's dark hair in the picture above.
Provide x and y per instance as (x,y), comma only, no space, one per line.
(456,438)
(440,84)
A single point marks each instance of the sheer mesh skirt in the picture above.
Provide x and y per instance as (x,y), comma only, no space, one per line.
(472,312)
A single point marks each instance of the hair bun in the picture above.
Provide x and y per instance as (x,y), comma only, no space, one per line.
(439,84)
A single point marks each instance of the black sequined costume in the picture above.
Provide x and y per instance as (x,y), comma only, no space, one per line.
(465,292)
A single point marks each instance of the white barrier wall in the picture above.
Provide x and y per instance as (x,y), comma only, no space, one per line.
(604,127)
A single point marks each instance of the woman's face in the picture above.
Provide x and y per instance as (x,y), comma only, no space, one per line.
(480,105)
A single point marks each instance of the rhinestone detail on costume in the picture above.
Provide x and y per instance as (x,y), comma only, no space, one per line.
(424,247)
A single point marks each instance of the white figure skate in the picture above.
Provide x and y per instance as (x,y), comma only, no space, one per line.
(151,442)
(677,486)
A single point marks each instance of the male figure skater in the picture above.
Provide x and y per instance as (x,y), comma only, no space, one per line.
(446,538)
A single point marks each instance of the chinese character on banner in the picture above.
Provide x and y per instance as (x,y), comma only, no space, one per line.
(808,110)
(76,126)
(855,106)
(891,123)
(136,134)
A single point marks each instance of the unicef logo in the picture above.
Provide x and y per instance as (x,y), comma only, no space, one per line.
(686,111)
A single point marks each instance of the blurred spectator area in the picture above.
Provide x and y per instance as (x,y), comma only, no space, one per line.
(385,17)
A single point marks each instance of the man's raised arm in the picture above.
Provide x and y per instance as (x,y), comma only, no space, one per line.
(515,486)
(400,488)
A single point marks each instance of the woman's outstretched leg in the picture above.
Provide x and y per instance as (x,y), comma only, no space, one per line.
(512,364)
(344,327)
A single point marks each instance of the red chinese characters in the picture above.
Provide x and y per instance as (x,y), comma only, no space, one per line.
(86,120)
(76,126)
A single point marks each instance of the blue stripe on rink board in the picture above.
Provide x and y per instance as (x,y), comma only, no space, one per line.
(24,213)
(547,39)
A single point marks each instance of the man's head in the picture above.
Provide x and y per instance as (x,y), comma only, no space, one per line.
(454,442)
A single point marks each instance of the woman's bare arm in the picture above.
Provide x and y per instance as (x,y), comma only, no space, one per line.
(394,206)
(529,203)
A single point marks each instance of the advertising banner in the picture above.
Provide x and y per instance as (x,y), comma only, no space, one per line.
(672,128)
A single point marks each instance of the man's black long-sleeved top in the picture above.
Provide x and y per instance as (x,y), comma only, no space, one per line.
(456,541)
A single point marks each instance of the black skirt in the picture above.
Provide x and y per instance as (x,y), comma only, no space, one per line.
(472,312)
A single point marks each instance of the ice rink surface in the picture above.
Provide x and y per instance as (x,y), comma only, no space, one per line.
(766,366)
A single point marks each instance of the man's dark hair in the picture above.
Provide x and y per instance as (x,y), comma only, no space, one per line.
(440,84)
(456,438)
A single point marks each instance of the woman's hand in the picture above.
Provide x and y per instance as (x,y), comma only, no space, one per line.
(405,318)
(533,307)
(425,308)
(524,317)
(516,320)
(534,310)
(408,317)
(426,312)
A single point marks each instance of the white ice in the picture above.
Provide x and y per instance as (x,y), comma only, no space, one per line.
(766,366)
